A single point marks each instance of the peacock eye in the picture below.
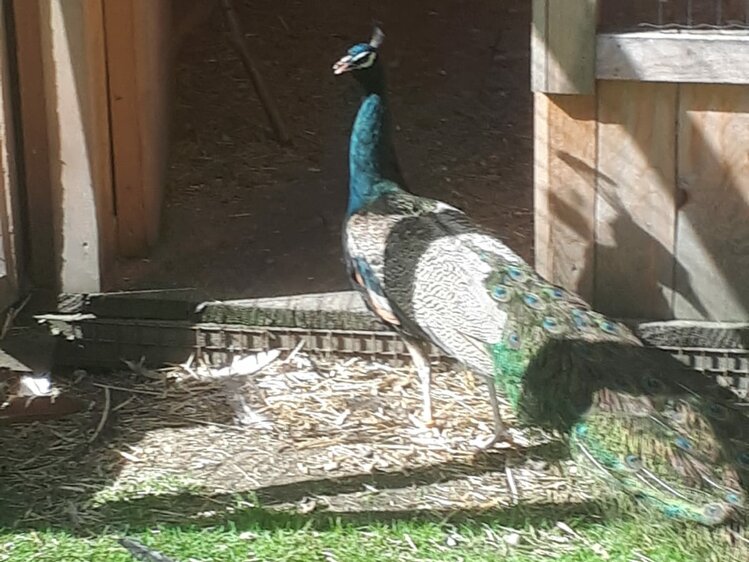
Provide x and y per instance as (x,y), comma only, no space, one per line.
(714,511)
(733,498)
(533,301)
(551,325)
(607,326)
(581,430)
(515,273)
(500,293)
(633,461)
(580,318)
(514,341)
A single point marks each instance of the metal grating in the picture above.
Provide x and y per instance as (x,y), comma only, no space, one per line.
(729,366)
(105,342)
(618,15)
(717,351)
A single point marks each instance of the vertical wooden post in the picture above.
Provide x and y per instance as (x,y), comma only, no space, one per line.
(139,49)
(9,282)
(40,222)
(563,78)
(565,189)
(563,46)
(72,46)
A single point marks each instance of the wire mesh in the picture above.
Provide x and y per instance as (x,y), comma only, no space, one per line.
(618,15)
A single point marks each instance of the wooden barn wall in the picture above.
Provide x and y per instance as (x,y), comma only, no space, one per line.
(642,198)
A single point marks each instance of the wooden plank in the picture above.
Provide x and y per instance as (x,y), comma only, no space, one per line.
(75,94)
(541,219)
(713,224)
(41,265)
(565,185)
(98,139)
(635,199)
(563,40)
(694,56)
(139,55)
(9,281)
(156,304)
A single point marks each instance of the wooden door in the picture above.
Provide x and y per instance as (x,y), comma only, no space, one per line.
(9,224)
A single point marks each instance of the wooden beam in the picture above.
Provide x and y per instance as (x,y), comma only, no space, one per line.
(139,54)
(9,282)
(563,43)
(565,189)
(656,56)
(712,250)
(41,266)
(99,140)
(77,121)
(635,199)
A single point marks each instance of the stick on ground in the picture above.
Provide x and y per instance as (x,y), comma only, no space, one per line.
(239,43)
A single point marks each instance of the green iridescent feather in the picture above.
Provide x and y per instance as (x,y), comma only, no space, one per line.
(667,435)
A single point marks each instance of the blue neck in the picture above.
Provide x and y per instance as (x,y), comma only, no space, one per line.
(371,153)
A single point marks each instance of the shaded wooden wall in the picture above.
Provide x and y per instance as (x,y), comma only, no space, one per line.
(642,185)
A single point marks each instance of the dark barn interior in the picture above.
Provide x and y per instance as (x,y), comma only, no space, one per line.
(244,216)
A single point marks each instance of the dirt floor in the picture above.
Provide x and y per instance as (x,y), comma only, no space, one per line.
(244,217)
(313,434)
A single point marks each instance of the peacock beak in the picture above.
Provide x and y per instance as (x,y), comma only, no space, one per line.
(343,65)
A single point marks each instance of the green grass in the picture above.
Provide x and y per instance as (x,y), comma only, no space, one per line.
(177,517)
(257,534)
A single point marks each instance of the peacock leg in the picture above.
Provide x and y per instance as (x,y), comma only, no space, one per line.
(500,431)
(424,370)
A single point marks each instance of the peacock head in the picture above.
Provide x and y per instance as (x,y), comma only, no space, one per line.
(362,57)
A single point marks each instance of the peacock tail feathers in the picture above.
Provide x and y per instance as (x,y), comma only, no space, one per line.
(666,434)
(537,313)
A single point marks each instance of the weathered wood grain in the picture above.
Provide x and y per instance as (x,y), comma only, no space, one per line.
(565,186)
(694,56)
(635,199)
(563,38)
(713,224)
(139,52)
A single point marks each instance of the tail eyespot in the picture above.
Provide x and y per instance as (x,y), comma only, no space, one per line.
(633,462)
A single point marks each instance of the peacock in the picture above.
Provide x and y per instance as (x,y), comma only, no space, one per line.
(666,434)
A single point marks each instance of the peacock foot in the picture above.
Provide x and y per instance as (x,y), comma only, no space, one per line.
(429,422)
(501,436)
(423,422)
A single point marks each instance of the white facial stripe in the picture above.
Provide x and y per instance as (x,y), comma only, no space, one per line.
(367,59)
